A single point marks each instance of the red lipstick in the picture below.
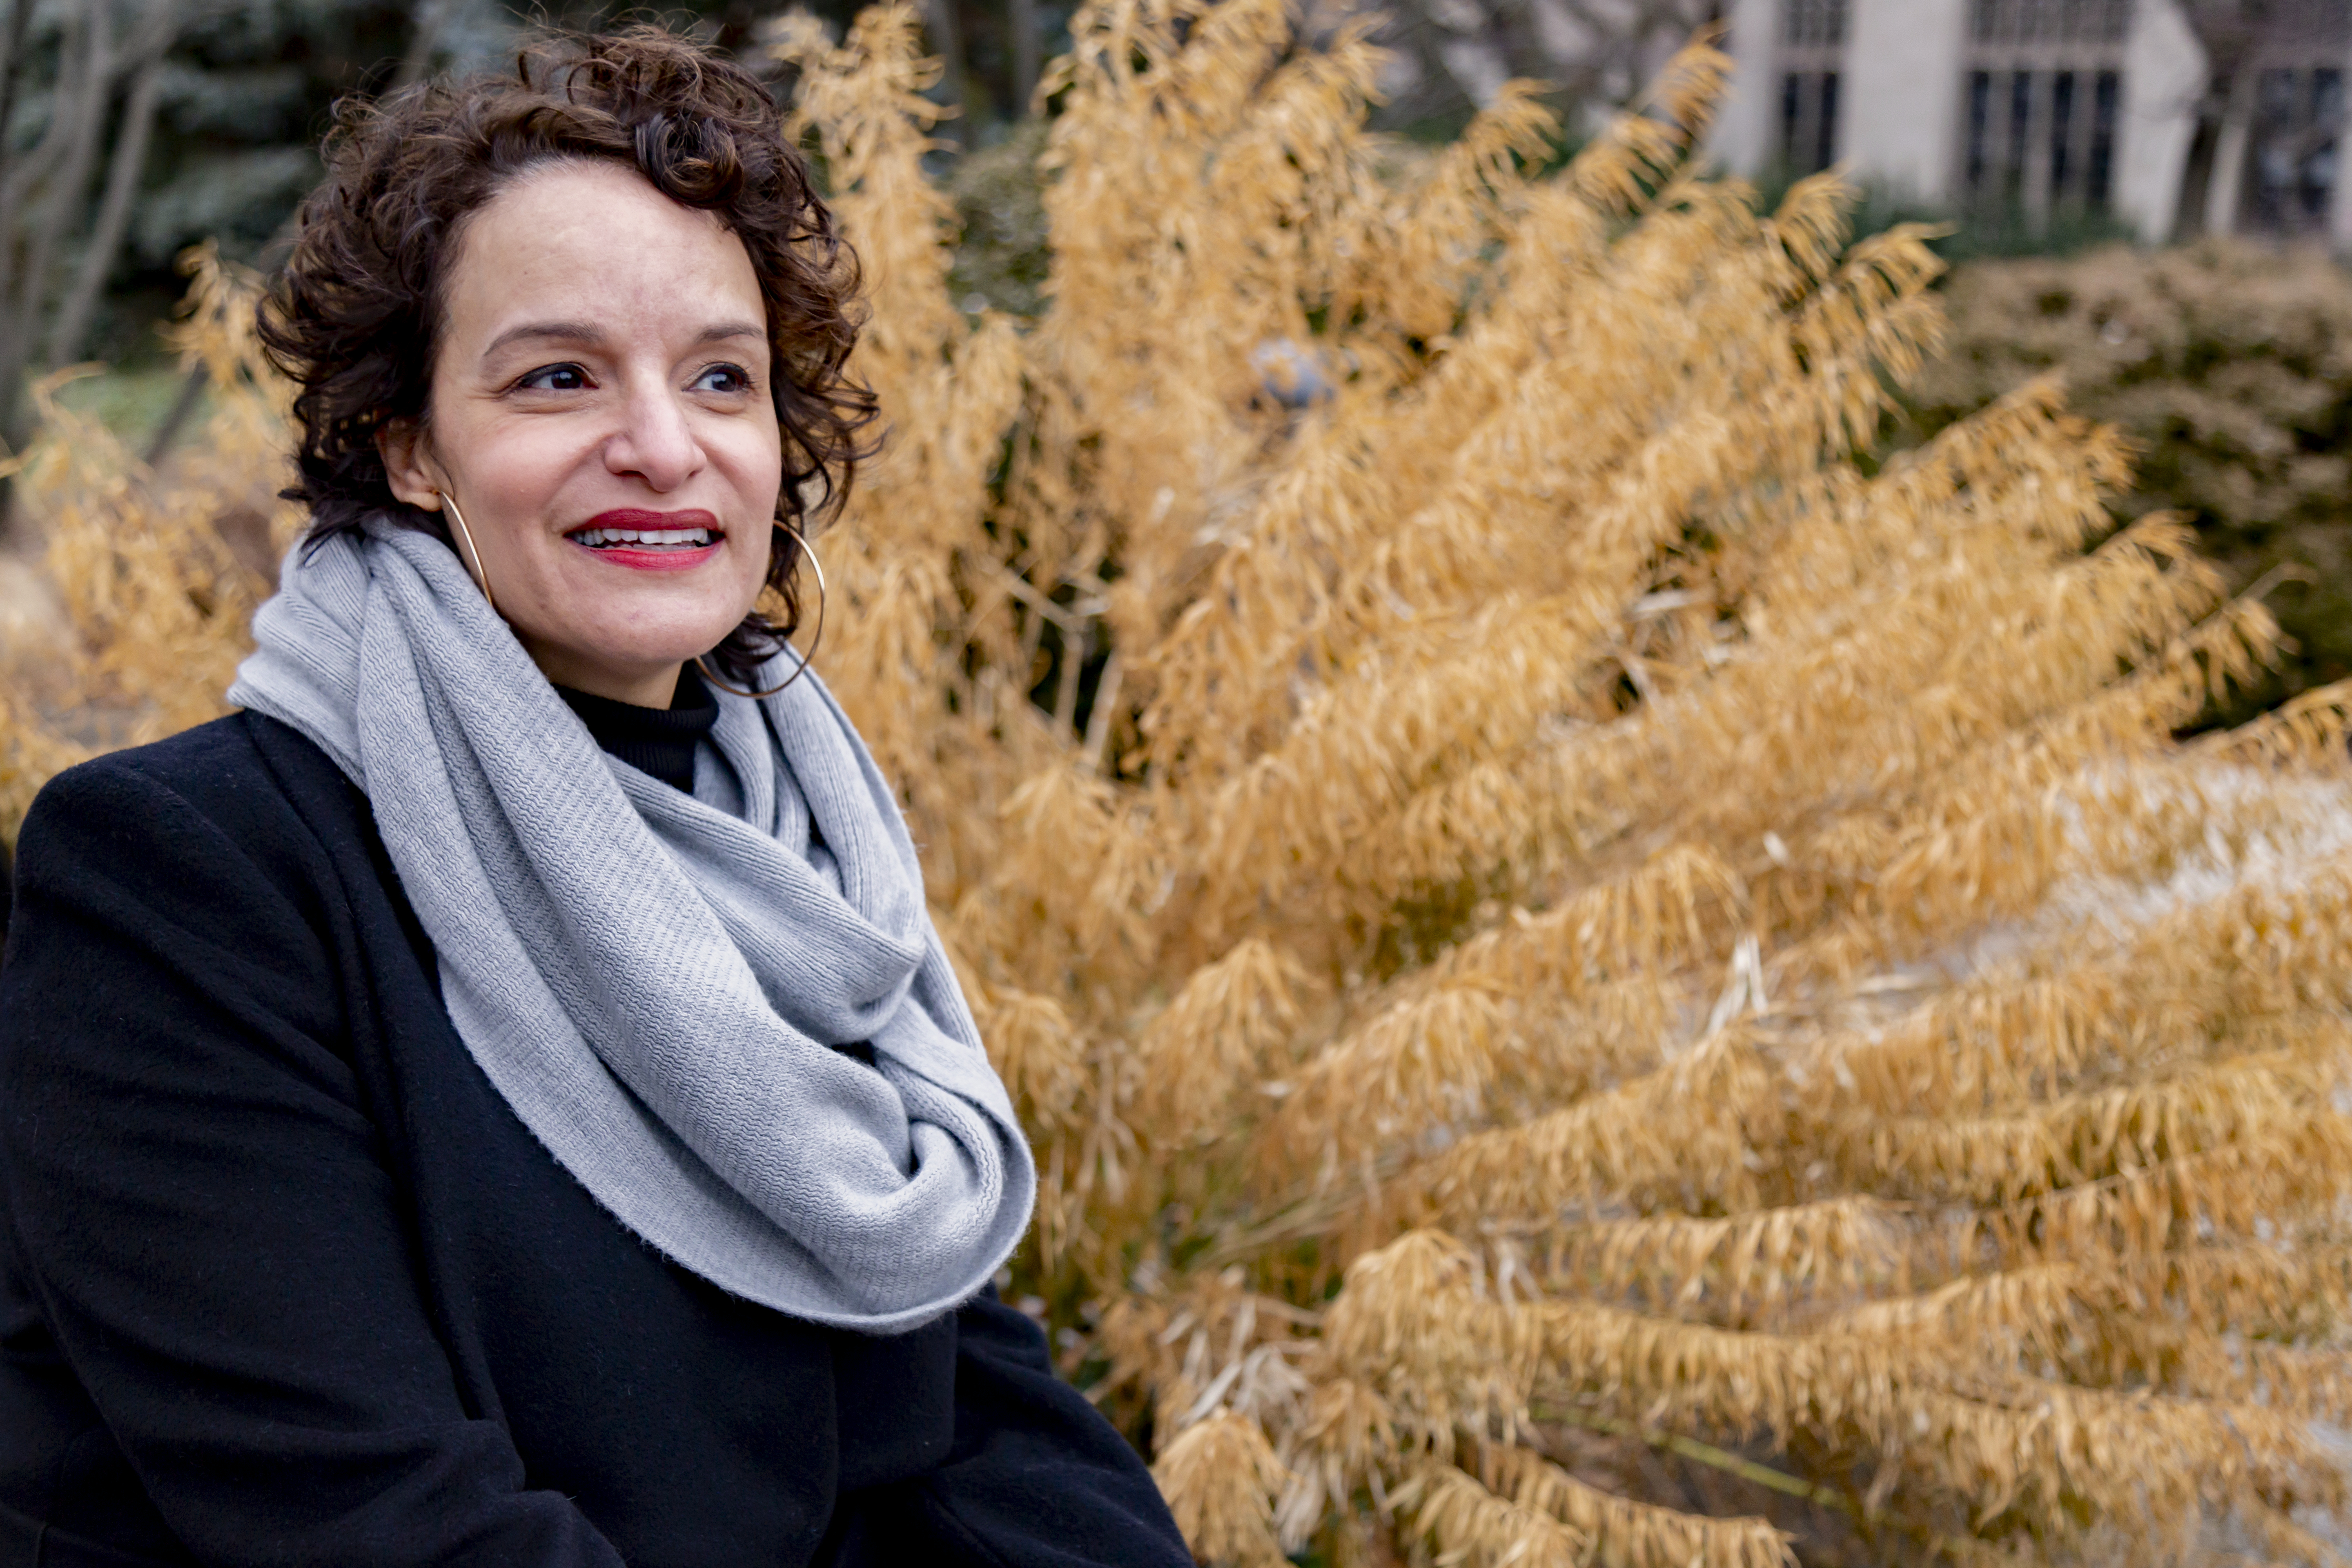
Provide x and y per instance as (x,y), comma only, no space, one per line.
(646,540)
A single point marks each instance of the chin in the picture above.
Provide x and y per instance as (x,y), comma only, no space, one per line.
(652,643)
(656,654)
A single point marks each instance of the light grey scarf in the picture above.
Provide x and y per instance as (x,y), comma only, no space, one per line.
(654,980)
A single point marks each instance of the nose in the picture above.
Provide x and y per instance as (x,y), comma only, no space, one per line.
(655,440)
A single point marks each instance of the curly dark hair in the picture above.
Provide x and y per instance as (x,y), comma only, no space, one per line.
(354,316)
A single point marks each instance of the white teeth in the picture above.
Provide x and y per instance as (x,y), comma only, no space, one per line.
(597,538)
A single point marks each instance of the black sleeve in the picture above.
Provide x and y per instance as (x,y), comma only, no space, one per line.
(194,1189)
(1036,1478)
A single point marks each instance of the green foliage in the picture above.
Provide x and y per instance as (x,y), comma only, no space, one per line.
(1996,230)
(1001,254)
(2230,365)
(131,403)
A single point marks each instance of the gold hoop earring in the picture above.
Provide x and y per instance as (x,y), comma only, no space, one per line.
(471,556)
(703,660)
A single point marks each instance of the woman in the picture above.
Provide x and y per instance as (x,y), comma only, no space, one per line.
(498,1099)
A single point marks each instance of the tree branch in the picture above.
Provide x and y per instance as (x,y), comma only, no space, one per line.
(130,161)
(81,96)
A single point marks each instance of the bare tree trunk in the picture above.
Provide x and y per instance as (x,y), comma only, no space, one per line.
(2238,37)
(2230,154)
(87,119)
(12,73)
(25,174)
(85,115)
(946,38)
(432,16)
(176,418)
(2195,179)
(1511,27)
(1437,93)
(1028,46)
(130,161)
(83,86)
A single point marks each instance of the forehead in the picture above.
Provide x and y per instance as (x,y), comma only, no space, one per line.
(596,242)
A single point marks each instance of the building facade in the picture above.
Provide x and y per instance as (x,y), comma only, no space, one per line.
(2043,109)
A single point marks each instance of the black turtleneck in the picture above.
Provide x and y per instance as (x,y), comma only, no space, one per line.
(657,740)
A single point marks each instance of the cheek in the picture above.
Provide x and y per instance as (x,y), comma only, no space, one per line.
(754,463)
(519,474)
(753,577)
(758,466)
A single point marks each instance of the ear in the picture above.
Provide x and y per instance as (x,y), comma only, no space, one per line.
(408,467)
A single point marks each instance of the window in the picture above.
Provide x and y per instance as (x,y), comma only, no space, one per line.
(1814,24)
(1813,47)
(2029,23)
(2106,103)
(1809,107)
(2288,181)
(2042,100)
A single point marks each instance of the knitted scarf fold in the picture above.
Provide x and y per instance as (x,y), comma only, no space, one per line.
(655,982)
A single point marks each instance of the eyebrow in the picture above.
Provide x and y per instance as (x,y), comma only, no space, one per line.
(588,332)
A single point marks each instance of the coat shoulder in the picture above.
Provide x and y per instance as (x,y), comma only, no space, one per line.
(217,815)
(229,768)
(250,778)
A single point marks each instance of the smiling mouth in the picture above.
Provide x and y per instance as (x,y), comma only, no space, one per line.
(643,538)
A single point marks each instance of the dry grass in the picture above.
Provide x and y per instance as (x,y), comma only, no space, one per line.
(1594,982)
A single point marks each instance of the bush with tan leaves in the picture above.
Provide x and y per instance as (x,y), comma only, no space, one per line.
(1594,979)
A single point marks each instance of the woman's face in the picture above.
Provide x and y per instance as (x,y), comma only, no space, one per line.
(599,410)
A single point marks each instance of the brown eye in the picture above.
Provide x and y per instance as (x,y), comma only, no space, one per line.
(555,378)
(728,378)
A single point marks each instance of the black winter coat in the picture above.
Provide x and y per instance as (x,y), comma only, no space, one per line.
(283,1280)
